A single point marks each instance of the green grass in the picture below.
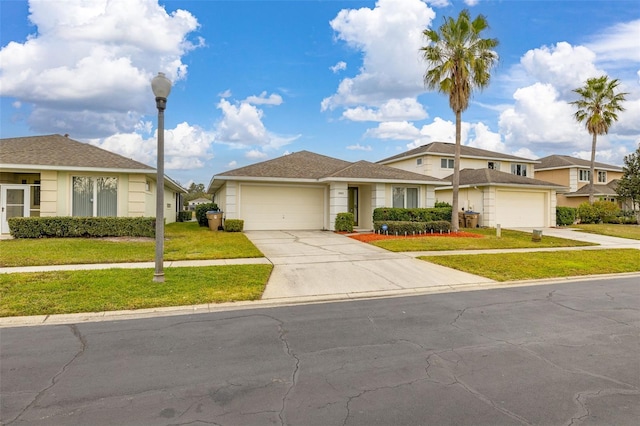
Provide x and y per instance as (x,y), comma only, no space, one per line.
(612,230)
(540,265)
(50,293)
(509,239)
(183,241)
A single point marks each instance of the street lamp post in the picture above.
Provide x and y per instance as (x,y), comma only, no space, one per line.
(161,87)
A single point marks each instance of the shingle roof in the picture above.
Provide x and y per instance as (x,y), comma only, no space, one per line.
(448,149)
(598,190)
(496,177)
(305,165)
(565,161)
(61,151)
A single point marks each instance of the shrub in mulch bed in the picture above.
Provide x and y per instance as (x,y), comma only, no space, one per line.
(375,237)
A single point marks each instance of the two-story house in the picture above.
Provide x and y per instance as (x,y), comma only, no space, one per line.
(503,188)
(574,173)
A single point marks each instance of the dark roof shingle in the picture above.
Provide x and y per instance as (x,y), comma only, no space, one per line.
(565,161)
(448,149)
(493,177)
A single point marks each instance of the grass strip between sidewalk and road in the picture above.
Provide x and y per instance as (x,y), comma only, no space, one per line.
(541,265)
(509,240)
(65,292)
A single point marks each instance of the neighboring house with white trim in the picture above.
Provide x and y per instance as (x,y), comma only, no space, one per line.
(54,175)
(306,191)
(574,173)
(502,188)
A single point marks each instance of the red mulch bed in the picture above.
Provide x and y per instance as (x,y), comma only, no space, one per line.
(375,237)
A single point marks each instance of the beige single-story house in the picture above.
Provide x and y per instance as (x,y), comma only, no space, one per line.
(306,191)
(54,175)
(504,199)
(574,173)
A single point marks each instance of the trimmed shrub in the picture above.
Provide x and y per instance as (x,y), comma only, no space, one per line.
(233,225)
(599,212)
(70,227)
(412,215)
(442,204)
(344,222)
(566,216)
(184,216)
(201,212)
(410,227)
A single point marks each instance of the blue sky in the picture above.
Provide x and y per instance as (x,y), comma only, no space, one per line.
(254,80)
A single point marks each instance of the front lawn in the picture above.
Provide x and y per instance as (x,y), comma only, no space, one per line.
(183,241)
(540,265)
(509,240)
(612,230)
(49,293)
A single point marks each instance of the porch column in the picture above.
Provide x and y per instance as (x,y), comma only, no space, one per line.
(338,201)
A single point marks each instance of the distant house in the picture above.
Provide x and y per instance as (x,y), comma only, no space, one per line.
(305,190)
(194,203)
(502,188)
(54,175)
(574,174)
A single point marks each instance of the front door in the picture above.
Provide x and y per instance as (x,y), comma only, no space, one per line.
(353,204)
(15,203)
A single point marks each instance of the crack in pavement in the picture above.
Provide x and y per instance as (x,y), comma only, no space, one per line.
(294,376)
(83,345)
(581,399)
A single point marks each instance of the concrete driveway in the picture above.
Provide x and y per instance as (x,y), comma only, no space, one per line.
(322,263)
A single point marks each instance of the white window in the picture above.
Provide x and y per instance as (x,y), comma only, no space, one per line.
(583,175)
(519,169)
(95,196)
(602,176)
(446,163)
(493,165)
(406,198)
(419,162)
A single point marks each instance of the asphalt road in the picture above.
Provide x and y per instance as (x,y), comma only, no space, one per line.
(561,354)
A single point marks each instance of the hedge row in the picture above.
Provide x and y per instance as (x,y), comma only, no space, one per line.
(412,215)
(344,222)
(184,216)
(233,225)
(409,227)
(69,227)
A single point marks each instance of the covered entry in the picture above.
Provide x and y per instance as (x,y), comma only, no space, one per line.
(282,207)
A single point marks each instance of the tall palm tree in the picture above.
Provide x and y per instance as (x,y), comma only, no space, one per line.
(597,107)
(459,60)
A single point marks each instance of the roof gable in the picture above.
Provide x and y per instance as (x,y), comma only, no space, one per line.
(448,149)
(496,177)
(61,151)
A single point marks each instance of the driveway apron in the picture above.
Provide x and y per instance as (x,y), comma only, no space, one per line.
(316,263)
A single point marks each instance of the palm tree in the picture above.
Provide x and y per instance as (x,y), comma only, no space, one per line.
(459,60)
(597,107)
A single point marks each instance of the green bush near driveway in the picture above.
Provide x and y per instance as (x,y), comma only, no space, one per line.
(201,212)
(412,215)
(541,265)
(344,222)
(565,216)
(410,228)
(233,225)
(66,292)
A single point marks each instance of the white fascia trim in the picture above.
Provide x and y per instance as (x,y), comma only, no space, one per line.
(262,179)
(394,181)
(506,185)
(36,168)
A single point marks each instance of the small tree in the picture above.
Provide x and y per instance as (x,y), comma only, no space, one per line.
(629,185)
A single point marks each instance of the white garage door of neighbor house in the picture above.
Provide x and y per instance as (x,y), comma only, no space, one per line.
(520,209)
(281,207)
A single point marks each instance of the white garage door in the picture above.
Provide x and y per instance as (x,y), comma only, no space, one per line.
(521,209)
(266,207)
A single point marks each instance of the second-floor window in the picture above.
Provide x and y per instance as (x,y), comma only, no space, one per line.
(583,175)
(519,169)
(602,176)
(419,162)
(446,163)
(493,165)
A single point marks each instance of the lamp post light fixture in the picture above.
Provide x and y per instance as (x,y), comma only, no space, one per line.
(161,87)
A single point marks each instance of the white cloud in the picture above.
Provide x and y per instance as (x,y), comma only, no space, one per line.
(185,146)
(618,45)
(563,65)
(85,52)
(358,147)
(232,164)
(241,127)
(389,37)
(254,154)
(273,99)
(471,3)
(392,110)
(484,138)
(340,66)
(396,130)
